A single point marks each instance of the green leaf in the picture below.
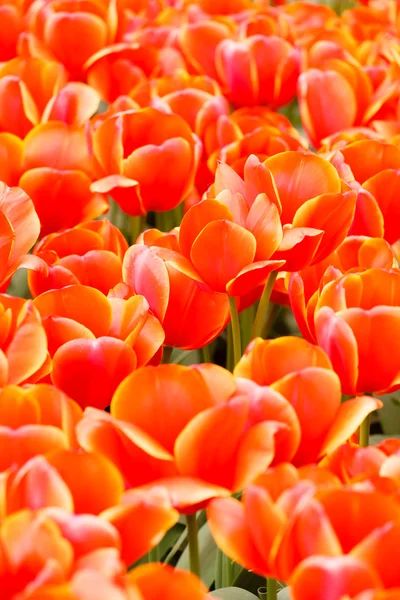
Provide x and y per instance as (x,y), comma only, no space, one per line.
(207,553)
(284,594)
(233,593)
(389,414)
(170,538)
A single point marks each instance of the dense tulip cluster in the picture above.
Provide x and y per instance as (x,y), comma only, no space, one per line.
(206,197)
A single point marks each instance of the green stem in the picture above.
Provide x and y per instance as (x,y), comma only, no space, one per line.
(271,589)
(364,432)
(229,348)
(193,539)
(237,346)
(166,355)
(219,570)
(246,321)
(137,226)
(259,321)
(206,354)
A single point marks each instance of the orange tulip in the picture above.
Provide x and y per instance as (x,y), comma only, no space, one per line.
(255,130)
(191,315)
(125,147)
(116,70)
(23,355)
(58,25)
(352,316)
(58,174)
(35,420)
(11,24)
(250,531)
(199,41)
(20,231)
(282,210)
(53,549)
(156,581)
(11,158)
(249,78)
(197,406)
(95,341)
(299,371)
(355,254)
(90,254)
(377,179)
(26,86)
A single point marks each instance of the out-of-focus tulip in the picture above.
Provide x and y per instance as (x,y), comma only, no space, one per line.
(157,580)
(96,341)
(11,158)
(57,176)
(197,407)
(58,25)
(126,147)
(11,25)
(55,548)
(352,316)
(116,70)
(192,316)
(249,531)
(90,254)
(35,420)
(23,356)
(255,130)
(299,371)
(258,70)
(19,230)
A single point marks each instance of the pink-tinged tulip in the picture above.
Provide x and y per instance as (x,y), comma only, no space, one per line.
(192,316)
(258,70)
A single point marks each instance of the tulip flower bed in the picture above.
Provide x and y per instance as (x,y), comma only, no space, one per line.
(200,300)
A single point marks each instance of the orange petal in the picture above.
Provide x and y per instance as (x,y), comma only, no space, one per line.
(90,370)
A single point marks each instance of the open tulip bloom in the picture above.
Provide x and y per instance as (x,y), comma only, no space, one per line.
(199,300)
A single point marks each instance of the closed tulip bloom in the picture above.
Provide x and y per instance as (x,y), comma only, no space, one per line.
(58,173)
(11,153)
(201,405)
(58,26)
(355,254)
(249,78)
(90,254)
(157,580)
(125,147)
(192,315)
(96,342)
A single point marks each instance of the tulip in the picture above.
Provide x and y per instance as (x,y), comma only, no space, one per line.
(11,26)
(59,25)
(33,421)
(299,371)
(191,315)
(90,254)
(197,406)
(96,342)
(125,147)
(57,176)
(351,316)
(11,153)
(20,230)
(249,78)
(156,580)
